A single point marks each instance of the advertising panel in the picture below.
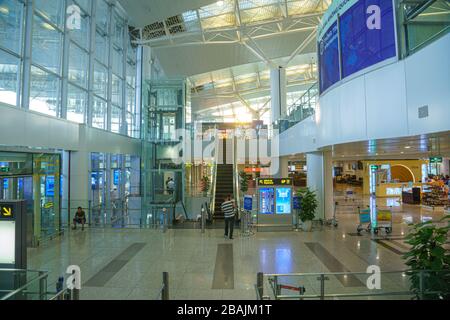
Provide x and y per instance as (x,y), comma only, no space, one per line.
(329,58)
(367,35)
(266,196)
(284,200)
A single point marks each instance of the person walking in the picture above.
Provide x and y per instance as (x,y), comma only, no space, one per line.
(228,208)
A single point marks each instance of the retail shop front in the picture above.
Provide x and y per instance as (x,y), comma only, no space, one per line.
(36,179)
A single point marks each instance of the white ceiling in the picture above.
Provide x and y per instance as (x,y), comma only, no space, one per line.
(144,12)
(197,59)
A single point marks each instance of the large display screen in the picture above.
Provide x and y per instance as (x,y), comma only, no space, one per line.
(367,35)
(8,241)
(284,200)
(266,196)
(50,186)
(329,58)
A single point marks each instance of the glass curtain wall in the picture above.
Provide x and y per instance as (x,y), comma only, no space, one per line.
(115,186)
(71,59)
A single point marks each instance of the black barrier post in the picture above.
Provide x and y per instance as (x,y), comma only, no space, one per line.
(165,291)
(260,284)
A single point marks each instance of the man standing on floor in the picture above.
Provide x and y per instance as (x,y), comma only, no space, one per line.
(228,208)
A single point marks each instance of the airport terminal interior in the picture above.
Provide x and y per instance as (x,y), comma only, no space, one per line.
(224,149)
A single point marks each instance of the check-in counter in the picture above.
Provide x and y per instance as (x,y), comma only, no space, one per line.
(393,189)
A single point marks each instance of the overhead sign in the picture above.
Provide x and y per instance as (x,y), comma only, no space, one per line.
(274,182)
(4,169)
(436,160)
(6,212)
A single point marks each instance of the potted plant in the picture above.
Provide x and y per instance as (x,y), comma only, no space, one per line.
(205,184)
(308,208)
(243,181)
(428,260)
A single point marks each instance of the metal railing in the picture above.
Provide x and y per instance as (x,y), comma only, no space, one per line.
(18,284)
(301,109)
(353,285)
(421,22)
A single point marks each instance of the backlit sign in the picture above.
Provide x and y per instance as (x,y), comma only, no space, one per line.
(274,182)
(6,212)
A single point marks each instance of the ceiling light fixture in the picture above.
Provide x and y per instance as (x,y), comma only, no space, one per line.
(407,147)
(220,3)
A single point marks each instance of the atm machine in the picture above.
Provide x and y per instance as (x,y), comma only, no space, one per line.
(275,212)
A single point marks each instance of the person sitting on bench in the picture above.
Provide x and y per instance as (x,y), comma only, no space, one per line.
(80,217)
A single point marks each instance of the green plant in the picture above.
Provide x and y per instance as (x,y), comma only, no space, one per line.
(205,183)
(243,181)
(308,204)
(428,260)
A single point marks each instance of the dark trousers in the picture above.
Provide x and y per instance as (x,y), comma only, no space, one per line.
(229,224)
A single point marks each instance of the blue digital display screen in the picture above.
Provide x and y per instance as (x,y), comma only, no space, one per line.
(329,58)
(50,186)
(116,177)
(248,203)
(266,196)
(364,42)
(296,202)
(5,184)
(284,200)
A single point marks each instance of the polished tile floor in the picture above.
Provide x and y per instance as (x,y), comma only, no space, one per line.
(128,264)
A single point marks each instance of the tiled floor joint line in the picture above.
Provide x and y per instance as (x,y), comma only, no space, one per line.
(333,264)
(114,266)
(224,268)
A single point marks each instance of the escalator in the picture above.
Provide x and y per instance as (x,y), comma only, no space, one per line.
(224,187)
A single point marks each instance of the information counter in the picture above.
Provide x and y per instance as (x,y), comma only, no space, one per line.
(384,190)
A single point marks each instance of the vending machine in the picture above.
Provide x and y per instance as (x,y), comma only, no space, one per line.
(275,211)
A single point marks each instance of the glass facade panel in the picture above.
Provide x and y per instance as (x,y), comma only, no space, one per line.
(101,47)
(117,84)
(76,104)
(51,10)
(9,77)
(102,15)
(116,119)
(44,92)
(117,57)
(78,66)
(99,113)
(81,35)
(100,80)
(112,85)
(11,25)
(47,45)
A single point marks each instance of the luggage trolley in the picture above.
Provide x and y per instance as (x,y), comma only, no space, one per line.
(365,223)
(384,220)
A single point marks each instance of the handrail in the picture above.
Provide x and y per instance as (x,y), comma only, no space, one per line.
(294,105)
(322,277)
(43,275)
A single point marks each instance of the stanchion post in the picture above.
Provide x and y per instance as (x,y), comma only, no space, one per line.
(260,284)
(165,292)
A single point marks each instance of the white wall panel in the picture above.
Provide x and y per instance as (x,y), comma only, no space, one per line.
(428,83)
(352,111)
(25,128)
(386,102)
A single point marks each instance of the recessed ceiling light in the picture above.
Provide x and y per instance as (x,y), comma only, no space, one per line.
(220,3)
(407,147)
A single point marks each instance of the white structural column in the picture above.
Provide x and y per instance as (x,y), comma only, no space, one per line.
(320,180)
(283,171)
(79,182)
(278,86)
